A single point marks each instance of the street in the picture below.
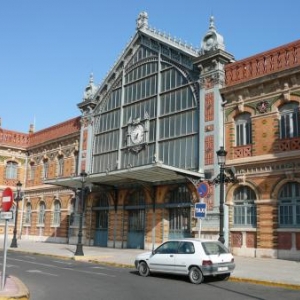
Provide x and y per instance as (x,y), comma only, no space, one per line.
(50,278)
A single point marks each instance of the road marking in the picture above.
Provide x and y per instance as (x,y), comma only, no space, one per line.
(11,266)
(41,272)
(62,262)
(102,268)
(62,268)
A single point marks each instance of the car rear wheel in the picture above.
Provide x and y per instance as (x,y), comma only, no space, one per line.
(143,269)
(195,275)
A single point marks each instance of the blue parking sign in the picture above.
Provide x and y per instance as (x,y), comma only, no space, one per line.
(200,210)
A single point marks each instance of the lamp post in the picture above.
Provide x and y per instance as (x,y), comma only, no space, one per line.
(79,249)
(17,199)
(221,154)
(221,179)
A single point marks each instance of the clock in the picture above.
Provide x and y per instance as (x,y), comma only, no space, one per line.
(137,134)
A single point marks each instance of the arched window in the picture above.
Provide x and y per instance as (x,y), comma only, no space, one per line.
(289,120)
(244,207)
(41,215)
(289,205)
(56,213)
(11,171)
(243,129)
(27,217)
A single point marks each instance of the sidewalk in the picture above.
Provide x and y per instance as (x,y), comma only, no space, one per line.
(274,272)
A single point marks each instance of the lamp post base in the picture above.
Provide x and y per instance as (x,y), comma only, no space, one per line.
(14,243)
(79,250)
(221,239)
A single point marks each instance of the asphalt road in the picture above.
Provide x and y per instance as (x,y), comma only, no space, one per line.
(50,278)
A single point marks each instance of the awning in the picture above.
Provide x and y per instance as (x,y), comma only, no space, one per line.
(153,174)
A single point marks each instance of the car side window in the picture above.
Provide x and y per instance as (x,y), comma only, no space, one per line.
(186,248)
(167,248)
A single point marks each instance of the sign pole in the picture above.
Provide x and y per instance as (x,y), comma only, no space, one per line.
(7,200)
(200,222)
(4,256)
(200,227)
(200,208)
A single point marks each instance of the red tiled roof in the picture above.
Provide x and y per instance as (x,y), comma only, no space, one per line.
(277,59)
(55,132)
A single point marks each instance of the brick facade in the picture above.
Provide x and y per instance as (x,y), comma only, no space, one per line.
(259,86)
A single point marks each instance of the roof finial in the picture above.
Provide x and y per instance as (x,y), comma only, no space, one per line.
(212,22)
(142,20)
(91,77)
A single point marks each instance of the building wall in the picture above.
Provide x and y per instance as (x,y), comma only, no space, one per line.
(260,86)
(30,152)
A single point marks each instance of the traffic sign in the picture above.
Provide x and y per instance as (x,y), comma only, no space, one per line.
(203,189)
(7,199)
(6,215)
(200,210)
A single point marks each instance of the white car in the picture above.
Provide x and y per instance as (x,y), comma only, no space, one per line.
(191,257)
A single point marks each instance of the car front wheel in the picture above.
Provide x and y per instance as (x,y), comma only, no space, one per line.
(143,269)
(195,275)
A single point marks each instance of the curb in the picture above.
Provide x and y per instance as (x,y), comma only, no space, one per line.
(266,283)
(17,290)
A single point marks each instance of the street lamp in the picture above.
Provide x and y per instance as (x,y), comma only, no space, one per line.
(17,199)
(221,154)
(79,249)
(221,179)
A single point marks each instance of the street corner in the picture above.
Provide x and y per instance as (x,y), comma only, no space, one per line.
(14,288)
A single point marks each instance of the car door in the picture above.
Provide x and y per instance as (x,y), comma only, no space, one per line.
(163,258)
(185,257)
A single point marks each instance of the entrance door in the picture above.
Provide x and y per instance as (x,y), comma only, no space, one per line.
(136,229)
(179,205)
(101,226)
(135,206)
(179,223)
(101,230)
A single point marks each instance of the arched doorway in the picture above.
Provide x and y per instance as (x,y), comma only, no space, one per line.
(101,226)
(136,220)
(179,206)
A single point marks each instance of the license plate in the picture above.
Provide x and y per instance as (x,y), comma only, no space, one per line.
(222,268)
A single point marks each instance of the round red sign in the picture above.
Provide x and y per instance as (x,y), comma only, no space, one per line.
(203,189)
(7,199)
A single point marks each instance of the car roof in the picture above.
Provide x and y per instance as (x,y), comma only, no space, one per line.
(191,240)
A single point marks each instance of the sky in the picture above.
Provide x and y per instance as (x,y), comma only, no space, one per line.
(49,48)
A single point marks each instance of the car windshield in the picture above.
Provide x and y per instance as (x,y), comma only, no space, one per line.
(214,248)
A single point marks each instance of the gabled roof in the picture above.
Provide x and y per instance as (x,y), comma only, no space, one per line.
(143,33)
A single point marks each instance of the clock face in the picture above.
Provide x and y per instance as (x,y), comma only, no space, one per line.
(137,134)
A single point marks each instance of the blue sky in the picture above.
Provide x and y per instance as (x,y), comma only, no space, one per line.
(48,48)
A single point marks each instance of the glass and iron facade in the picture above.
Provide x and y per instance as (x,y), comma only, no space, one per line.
(163,98)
